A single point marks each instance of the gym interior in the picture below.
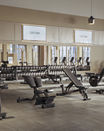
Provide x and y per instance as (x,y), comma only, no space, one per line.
(51,65)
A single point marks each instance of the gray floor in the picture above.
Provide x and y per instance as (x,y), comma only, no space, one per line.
(70,113)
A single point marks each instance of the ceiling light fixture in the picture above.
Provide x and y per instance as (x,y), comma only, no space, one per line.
(91,20)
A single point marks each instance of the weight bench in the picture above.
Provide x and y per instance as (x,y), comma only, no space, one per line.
(2,86)
(41,97)
(76,82)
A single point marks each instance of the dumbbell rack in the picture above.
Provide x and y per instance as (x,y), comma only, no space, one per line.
(7,72)
(16,72)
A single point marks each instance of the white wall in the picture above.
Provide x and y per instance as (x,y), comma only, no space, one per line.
(60,34)
(52,34)
(98,37)
(6,31)
(10,31)
(66,35)
(18,31)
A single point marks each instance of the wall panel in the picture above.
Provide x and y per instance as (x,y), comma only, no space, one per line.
(6,31)
(66,35)
(52,34)
(98,37)
(18,34)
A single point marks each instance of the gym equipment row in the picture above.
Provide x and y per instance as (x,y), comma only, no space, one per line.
(45,98)
(64,61)
(82,67)
(16,72)
(71,62)
(51,71)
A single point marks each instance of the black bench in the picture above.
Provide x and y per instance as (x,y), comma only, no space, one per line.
(76,82)
(41,97)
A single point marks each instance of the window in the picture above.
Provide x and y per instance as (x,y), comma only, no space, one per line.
(86,54)
(34,33)
(10,53)
(21,53)
(73,52)
(35,55)
(83,36)
(11,48)
(53,54)
(63,53)
(10,60)
(68,52)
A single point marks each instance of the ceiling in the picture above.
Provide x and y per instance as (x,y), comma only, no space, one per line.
(74,7)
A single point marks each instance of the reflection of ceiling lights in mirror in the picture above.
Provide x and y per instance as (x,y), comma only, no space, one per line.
(91,20)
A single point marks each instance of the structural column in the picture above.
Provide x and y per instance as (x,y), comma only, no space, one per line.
(41,55)
(49,55)
(5,53)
